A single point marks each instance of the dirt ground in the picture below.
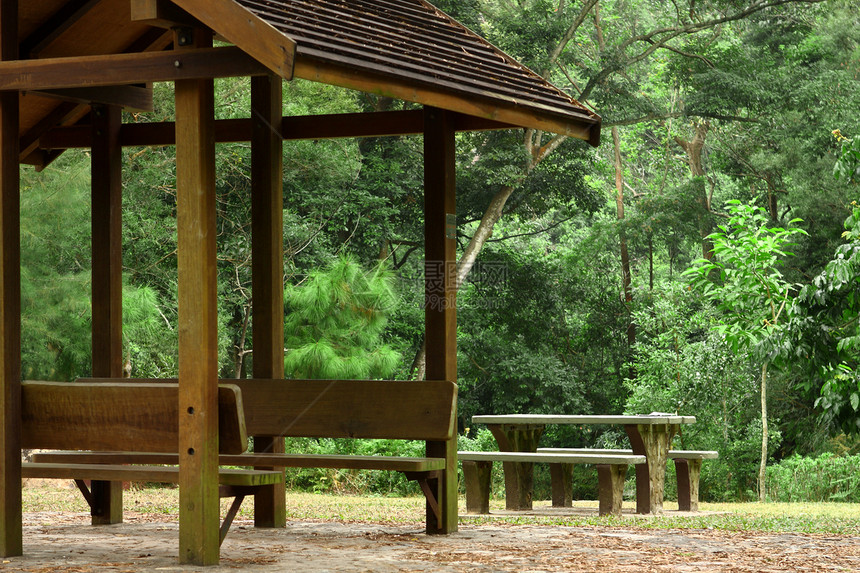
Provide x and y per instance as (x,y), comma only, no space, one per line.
(66,543)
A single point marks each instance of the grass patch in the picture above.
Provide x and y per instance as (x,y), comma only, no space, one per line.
(814,518)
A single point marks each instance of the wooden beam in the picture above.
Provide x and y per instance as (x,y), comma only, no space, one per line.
(134,98)
(106,214)
(162,13)
(267,264)
(324,126)
(440,288)
(11,533)
(123,69)
(107,243)
(63,19)
(436,96)
(198,316)
(241,27)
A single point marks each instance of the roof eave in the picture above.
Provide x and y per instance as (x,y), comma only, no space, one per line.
(585,125)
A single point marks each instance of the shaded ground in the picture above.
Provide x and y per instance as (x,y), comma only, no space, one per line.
(66,543)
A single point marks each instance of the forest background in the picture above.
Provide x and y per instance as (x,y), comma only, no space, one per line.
(590,278)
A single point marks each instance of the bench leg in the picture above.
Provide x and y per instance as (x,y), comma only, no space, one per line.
(562,484)
(446,486)
(106,505)
(104,499)
(476,476)
(270,509)
(687,472)
(610,479)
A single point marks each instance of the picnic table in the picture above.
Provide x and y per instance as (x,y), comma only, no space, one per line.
(650,435)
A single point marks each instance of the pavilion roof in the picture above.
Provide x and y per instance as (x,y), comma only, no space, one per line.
(405,49)
(416,52)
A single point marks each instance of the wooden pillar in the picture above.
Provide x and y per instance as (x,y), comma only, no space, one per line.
(267,263)
(107,277)
(10,300)
(198,315)
(440,299)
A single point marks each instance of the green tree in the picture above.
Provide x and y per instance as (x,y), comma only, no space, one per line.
(828,323)
(335,323)
(752,294)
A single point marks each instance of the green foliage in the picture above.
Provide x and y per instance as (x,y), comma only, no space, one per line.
(751,293)
(538,329)
(375,482)
(813,479)
(828,332)
(847,166)
(682,365)
(150,343)
(335,322)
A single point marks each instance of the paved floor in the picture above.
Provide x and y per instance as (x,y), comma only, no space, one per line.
(66,543)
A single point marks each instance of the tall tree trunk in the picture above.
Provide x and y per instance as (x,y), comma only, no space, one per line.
(762,469)
(693,150)
(622,235)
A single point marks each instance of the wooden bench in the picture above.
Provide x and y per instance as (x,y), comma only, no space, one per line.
(143,417)
(688,466)
(423,410)
(611,472)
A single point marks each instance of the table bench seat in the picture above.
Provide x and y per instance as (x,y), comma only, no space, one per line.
(688,465)
(611,472)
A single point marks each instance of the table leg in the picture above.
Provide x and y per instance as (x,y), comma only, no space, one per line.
(519,477)
(652,441)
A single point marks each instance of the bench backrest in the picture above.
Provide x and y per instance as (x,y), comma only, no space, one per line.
(128,416)
(387,409)
(424,410)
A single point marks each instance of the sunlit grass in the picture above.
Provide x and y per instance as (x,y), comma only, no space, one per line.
(823,518)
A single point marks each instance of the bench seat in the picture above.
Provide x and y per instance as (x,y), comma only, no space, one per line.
(140,473)
(611,472)
(332,461)
(235,483)
(688,467)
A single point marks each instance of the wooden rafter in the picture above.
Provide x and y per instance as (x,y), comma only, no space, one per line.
(123,69)
(130,97)
(243,28)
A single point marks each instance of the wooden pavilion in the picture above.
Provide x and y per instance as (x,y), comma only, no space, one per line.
(69,67)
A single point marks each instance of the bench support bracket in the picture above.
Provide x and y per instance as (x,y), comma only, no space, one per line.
(427,481)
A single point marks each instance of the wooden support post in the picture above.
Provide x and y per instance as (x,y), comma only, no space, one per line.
(440,299)
(107,277)
(478,479)
(519,476)
(198,316)
(10,300)
(611,485)
(652,441)
(688,472)
(561,480)
(267,260)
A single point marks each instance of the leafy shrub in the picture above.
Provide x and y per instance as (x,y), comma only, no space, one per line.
(814,479)
(377,482)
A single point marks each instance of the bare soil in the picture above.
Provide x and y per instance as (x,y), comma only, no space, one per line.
(66,543)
